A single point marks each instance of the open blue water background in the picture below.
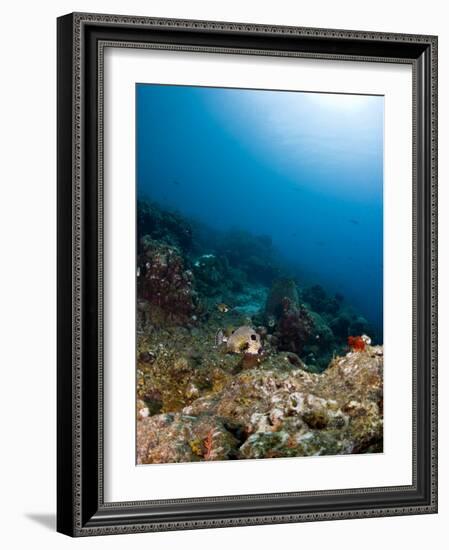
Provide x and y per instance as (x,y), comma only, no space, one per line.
(304,168)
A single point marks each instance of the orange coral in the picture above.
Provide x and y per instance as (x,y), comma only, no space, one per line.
(208,446)
(356,343)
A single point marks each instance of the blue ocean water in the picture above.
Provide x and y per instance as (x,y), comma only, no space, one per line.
(304,168)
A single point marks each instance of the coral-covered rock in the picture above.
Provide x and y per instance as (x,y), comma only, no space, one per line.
(346,323)
(320,301)
(295,327)
(340,325)
(165,286)
(211,274)
(322,333)
(281,289)
(286,444)
(252,254)
(359,325)
(163,225)
(183,367)
(290,412)
(182,438)
(318,351)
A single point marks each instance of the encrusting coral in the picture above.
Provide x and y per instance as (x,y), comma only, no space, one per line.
(276,411)
(211,274)
(320,301)
(295,327)
(164,283)
(164,226)
(281,289)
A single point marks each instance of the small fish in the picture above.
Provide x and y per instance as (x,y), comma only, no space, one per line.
(354,222)
(320,243)
(220,338)
(223,308)
(138,271)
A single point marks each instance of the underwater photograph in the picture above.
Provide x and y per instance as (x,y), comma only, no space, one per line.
(259,274)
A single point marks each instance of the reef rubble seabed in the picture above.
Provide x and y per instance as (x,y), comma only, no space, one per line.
(230,366)
(269,411)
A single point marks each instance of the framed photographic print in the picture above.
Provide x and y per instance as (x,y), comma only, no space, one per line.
(247,283)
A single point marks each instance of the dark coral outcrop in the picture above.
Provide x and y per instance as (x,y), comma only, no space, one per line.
(295,327)
(252,254)
(320,301)
(280,289)
(163,225)
(212,274)
(165,287)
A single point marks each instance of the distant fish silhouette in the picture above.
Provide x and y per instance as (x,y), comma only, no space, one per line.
(320,243)
(176,182)
(354,222)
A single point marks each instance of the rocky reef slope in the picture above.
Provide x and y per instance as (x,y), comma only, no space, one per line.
(237,360)
(273,410)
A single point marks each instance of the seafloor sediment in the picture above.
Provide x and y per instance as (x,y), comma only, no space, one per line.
(236,360)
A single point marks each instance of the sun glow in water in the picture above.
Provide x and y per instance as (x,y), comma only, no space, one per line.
(304,168)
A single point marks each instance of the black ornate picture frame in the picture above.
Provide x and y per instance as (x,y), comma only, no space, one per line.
(81,508)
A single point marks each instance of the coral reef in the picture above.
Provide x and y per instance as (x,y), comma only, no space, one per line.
(318,300)
(281,289)
(236,360)
(295,327)
(253,255)
(165,287)
(211,274)
(162,225)
(340,325)
(276,411)
(177,437)
(347,322)
(298,328)
(359,325)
